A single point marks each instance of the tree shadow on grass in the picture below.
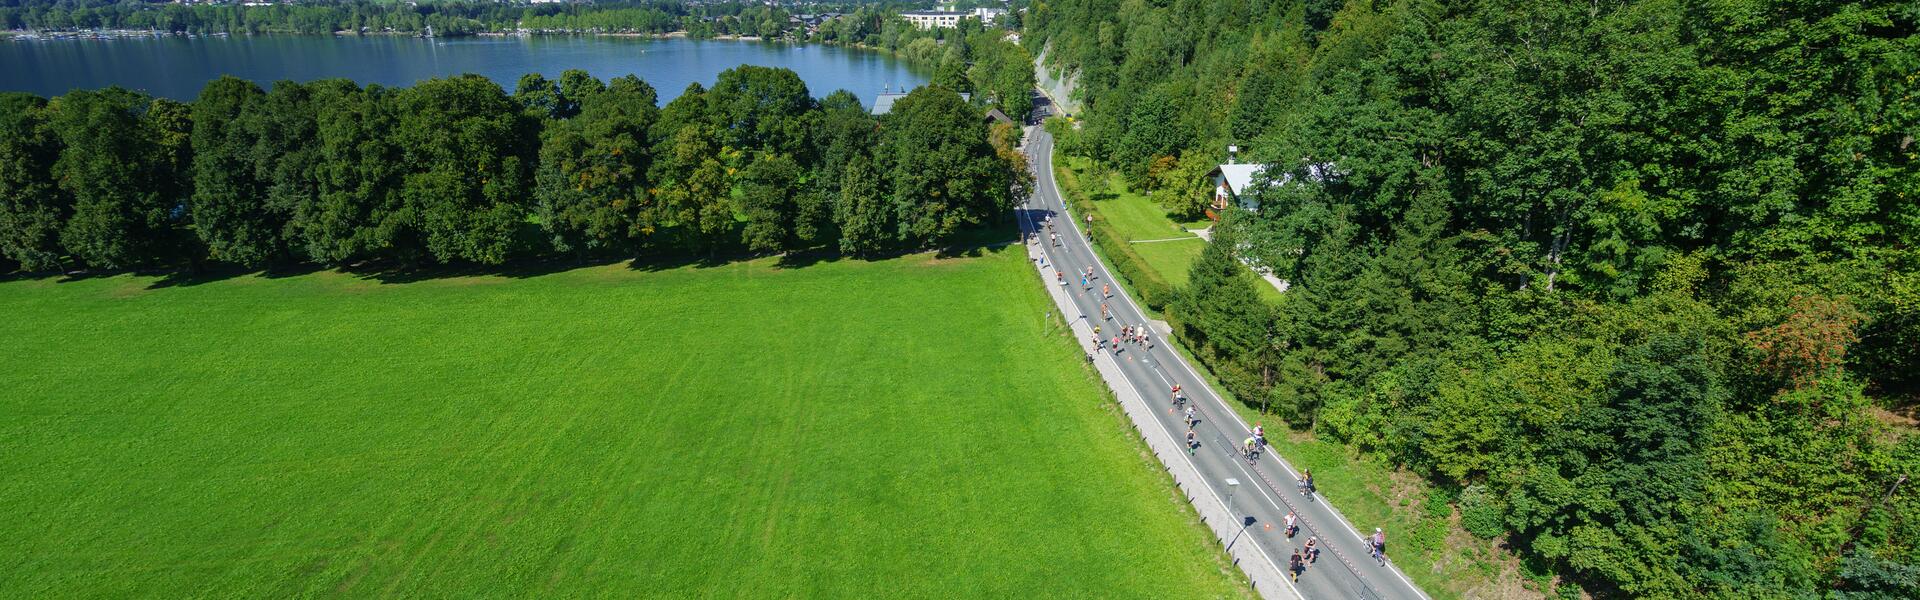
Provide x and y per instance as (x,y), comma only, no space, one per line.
(520,269)
(216,273)
(173,279)
(163,278)
(972,243)
(806,258)
(32,275)
(969,244)
(668,262)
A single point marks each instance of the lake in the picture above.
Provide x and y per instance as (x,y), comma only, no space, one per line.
(177,67)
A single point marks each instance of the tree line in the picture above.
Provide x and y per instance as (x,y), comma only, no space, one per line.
(1633,284)
(457,170)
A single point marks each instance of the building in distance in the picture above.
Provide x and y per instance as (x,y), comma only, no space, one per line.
(948,19)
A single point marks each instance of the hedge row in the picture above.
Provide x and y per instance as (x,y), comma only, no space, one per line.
(1151,288)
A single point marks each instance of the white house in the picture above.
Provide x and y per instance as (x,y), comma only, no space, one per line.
(948,19)
(1231,182)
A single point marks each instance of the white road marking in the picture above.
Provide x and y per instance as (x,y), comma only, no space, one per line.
(1128,303)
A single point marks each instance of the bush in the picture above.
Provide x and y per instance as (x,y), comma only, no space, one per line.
(1481,513)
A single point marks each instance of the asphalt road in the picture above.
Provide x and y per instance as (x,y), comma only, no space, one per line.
(1266,492)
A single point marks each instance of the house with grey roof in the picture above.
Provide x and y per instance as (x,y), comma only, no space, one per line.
(1233,183)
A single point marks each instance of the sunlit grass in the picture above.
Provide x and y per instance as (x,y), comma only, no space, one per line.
(909,427)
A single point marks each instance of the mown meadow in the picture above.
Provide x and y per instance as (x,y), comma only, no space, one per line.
(905,427)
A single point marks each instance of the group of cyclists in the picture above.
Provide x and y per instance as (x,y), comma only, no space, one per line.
(1303,556)
(1254,445)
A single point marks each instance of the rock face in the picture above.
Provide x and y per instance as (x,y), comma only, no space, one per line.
(1058,89)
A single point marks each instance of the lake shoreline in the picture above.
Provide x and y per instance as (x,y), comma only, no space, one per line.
(112,34)
(177,66)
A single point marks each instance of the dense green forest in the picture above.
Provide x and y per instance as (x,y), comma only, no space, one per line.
(1635,282)
(448,17)
(457,170)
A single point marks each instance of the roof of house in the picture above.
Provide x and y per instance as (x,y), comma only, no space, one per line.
(995,114)
(1240,175)
(883,103)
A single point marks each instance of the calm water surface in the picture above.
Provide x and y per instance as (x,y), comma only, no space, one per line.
(176,67)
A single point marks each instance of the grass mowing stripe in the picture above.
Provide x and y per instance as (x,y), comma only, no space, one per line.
(906,427)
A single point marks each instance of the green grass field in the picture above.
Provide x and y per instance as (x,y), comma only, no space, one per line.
(1173,260)
(1136,216)
(909,427)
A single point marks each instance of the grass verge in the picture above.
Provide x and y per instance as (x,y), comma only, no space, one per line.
(1433,549)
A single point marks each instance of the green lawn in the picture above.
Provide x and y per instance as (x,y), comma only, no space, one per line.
(1141,220)
(907,427)
(1173,260)
(1136,216)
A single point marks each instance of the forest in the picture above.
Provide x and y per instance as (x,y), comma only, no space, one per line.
(1634,284)
(459,171)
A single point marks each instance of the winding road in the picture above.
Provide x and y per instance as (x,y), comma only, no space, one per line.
(1266,492)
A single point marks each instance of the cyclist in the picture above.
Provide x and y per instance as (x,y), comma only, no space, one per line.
(1260,434)
(1306,482)
(1247,448)
(1377,546)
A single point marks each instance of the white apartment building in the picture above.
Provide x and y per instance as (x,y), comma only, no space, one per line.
(929,19)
